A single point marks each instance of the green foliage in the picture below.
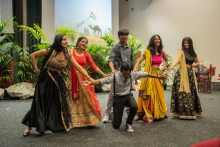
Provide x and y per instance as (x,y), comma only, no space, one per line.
(5,50)
(70,32)
(5,69)
(109,39)
(35,32)
(100,55)
(25,69)
(137,48)
(5,44)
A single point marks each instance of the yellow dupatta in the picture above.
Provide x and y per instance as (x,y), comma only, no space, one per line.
(145,87)
(184,79)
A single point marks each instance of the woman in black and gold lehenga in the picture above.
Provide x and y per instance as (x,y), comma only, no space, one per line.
(185,100)
(49,110)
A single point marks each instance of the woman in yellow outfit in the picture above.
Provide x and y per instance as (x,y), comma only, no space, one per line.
(151,103)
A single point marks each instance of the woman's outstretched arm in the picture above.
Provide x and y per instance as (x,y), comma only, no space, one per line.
(138,63)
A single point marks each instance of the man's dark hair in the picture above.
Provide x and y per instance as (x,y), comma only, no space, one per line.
(126,65)
(122,32)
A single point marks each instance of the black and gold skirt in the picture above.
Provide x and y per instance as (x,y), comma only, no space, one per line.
(49,110)
(185,105)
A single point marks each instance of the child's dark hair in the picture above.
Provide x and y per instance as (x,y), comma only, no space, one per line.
(126,65)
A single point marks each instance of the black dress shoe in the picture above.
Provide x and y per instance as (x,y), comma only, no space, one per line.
(26,134)
(41,133)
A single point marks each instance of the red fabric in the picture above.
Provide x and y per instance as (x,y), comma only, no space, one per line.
(90,91)
(209,143)
(83,59)
(82,62)
(92,97)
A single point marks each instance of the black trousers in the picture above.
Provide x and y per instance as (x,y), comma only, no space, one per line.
(119,102)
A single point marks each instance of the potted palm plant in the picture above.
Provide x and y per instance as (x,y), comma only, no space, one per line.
(70,32)
(37,33)
(6,63)
(100,55)
(25,69)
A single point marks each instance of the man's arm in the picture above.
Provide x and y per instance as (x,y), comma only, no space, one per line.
(106,80)
(111,65)
(140,74)
(94,82)
(112,55)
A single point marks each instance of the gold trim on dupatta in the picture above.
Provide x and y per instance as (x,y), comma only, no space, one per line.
(67,129)
(80,83)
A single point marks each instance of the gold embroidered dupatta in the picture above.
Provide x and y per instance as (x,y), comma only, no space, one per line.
(181,66)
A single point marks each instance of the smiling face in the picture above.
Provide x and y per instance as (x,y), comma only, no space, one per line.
(82,44)
(157,41)
(186,44)
(64,42)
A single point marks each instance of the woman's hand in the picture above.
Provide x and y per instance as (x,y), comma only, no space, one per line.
(65,74)
(161,71)
(163,78)
(168,70)
(91,80)
(114,72)
(85,83)
(38,72)
(107,75)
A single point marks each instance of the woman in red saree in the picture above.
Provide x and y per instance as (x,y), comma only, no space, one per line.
(84,106)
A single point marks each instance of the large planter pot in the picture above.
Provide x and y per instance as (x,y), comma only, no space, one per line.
(98,88)
(5,83)
(165,86)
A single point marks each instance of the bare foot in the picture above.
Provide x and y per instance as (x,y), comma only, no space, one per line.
(71,127)
(28,129)
(93,126)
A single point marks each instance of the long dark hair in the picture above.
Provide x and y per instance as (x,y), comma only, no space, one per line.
(191,50)
(152,44)
(79,39)
(57,44)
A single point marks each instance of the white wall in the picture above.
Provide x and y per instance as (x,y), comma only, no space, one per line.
(6,14)
(48,18)
(115,18)
(173,20)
